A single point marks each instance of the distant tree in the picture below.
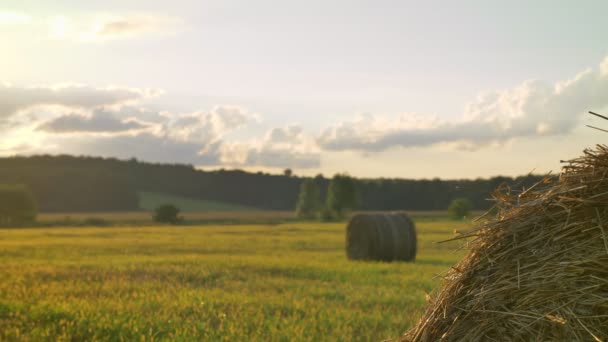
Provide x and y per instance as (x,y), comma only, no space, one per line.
(460,208)
(309,200)
(342,194)
(287,172)
(17,205)
(167,213)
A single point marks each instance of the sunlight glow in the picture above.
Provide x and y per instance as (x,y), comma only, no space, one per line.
(8,17)
(60,28)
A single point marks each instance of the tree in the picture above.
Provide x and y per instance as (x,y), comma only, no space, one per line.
(309,200)
(460,208)
(342,194)
(287,172)
(17,205)
(167,213)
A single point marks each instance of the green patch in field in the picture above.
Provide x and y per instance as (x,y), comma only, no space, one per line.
(150,201)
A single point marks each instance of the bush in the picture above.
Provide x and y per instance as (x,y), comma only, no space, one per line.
(17,205)
(460,208)
(326,215)
(167,213)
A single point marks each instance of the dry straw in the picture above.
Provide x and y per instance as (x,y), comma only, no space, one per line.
(537,271)
(384,237)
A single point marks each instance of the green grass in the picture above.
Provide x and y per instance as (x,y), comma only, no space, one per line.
(287,282)
(150,201)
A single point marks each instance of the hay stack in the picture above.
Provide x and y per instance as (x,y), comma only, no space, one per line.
(384,237)
(538,271)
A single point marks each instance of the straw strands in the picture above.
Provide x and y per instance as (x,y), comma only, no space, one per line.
(537,271)
(384,237)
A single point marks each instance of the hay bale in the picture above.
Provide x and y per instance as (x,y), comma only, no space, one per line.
(384,237)
(409,253)
(537,271)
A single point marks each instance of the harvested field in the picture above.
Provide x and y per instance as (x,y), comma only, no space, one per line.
(215,283)
(145,217)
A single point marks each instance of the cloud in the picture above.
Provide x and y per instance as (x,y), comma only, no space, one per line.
(14,99)
(99,121)
(105,122)
(145,146)
(105,27)
(123,27)
(532,109)
(281,147)
(192,138)
(207,126)
(110,122)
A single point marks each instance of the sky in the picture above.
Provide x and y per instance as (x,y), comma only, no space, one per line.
(406,89)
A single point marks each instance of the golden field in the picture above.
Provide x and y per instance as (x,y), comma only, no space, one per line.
(281,282)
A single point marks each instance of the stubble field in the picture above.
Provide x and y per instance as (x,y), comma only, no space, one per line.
(286,282)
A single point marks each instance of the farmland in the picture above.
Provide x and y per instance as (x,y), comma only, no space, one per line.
(288,281)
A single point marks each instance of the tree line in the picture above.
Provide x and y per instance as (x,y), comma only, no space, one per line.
(79,183)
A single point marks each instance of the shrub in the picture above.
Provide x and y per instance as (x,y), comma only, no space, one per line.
(17,205)
(167,213)
(326,215)
(460,208)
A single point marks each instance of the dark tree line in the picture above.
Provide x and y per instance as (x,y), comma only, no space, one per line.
(64,183)
(67,183)
(17,205)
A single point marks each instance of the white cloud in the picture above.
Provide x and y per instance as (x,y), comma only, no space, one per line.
(105,121)
(206,127)
(281,147)
(15,99)
(531,109)
(99,121)
(144,145)
(193,138)
(105,27)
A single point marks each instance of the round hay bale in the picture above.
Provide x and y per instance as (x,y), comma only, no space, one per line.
(410,238)
(384,237)
(362,238)
(536,270)
(386,243)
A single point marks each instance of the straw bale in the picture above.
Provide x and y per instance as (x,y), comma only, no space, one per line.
(384,237)
(537,270)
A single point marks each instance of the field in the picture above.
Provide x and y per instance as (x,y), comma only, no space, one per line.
(145,217)
(210,282)
(195,217)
